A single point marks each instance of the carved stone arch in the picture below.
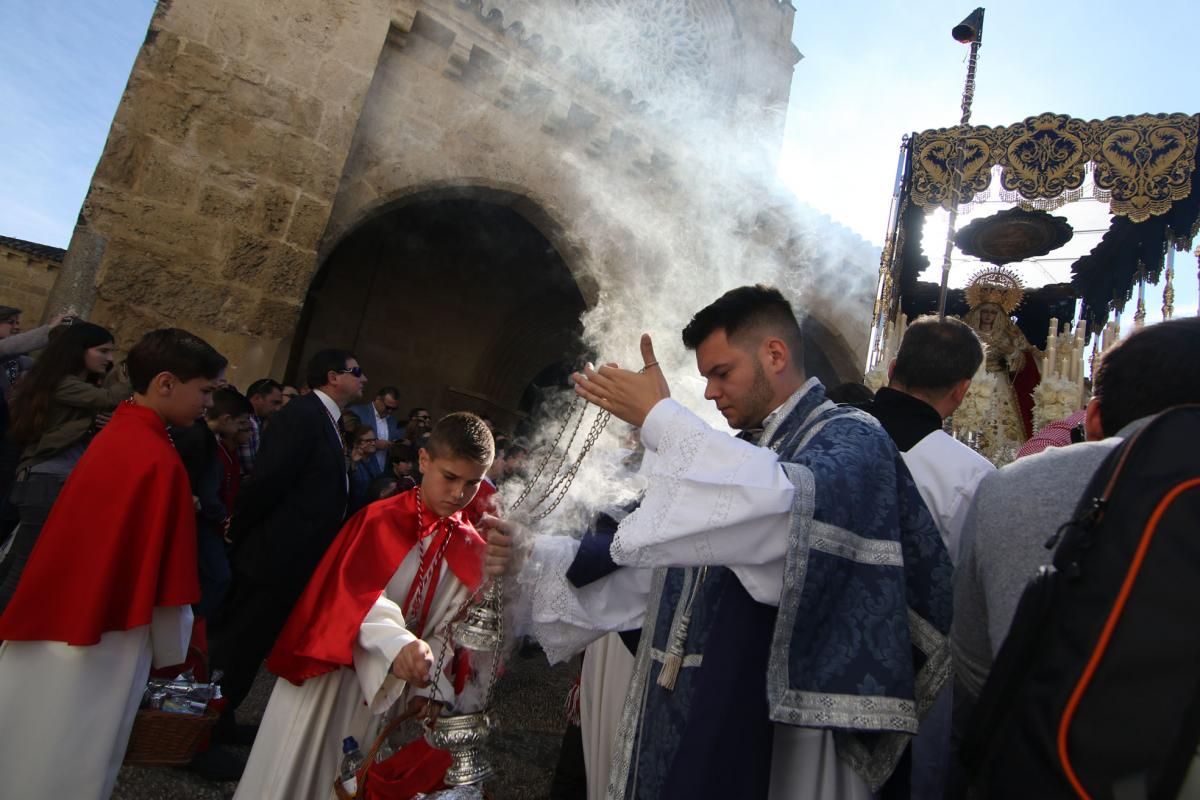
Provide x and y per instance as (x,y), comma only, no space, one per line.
(458,293)
(827,354)
(520,199)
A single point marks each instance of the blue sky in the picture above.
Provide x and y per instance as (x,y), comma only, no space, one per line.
(873,70)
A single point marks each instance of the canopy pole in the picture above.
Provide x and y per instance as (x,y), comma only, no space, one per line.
(971,27)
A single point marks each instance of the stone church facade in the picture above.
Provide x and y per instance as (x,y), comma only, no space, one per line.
(442,186)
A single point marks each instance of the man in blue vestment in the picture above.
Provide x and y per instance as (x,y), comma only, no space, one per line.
(792,588)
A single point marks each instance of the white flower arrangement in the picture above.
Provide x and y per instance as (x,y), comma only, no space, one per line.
(1054,398)
(977,413)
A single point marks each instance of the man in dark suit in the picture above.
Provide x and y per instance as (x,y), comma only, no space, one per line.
(287,513)
(380,416)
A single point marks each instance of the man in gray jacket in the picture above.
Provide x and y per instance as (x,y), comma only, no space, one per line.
(1018,508)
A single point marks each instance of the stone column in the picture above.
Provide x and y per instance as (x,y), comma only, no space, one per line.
(215,185)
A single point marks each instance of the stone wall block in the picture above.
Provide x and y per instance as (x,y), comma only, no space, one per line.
(151,226)
(246,71)
(167,178)
(246,255)
(288,60)
(337,128)
(308,223)
(200,68)
(184,296)
(190,20)
(230,28)
(167,111)
(276,102)
(273,208)
(288,273)
(312,28)
(124,153)
(273,317)
(128,274)
(126,322)
(244,144)
(159,52)
(217,203)
(302,162)
(339,83)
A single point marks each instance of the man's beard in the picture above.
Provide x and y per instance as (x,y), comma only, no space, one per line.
(758,401)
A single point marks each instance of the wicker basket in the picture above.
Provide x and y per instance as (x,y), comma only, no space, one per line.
(160,738)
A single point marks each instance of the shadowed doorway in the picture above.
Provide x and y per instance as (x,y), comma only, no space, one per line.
(459,302)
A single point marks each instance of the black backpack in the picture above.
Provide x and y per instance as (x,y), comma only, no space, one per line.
(1096,691)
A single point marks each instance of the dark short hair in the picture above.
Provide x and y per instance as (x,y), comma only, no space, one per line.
(759,309)
(388,391)
(412,413)
(402,452)
(935,354)
(850,393)
(228,400)
(462,435)
(1147,372)
(263,387)
(324,362)
(173,350)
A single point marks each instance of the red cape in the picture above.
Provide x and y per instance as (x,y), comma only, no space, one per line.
(120,540)
(320,633)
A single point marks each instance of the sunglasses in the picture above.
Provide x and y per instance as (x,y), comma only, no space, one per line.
(355,371)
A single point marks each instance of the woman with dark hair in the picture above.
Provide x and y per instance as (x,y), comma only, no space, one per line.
(61,403)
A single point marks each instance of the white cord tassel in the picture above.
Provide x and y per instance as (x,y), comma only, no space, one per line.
(673,660)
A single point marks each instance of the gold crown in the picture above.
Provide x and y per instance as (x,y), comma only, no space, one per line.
(997,285)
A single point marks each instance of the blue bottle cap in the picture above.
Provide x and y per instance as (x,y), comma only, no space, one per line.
(349,744)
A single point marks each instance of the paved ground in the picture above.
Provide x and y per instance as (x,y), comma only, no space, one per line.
(529,702)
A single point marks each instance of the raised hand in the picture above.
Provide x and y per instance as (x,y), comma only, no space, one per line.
(627,395)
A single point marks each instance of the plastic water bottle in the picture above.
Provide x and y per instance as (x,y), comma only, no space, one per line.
(352,761)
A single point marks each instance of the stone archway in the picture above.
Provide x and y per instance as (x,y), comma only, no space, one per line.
(454,296)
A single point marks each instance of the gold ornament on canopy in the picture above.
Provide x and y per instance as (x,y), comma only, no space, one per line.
(1141,163)
(995,285)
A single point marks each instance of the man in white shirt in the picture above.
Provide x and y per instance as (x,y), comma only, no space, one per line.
(926,384)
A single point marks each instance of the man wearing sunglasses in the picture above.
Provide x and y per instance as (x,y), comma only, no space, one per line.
(381,415)
(287,512)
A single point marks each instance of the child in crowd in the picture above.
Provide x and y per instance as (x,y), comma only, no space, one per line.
(371,624)
(109,586)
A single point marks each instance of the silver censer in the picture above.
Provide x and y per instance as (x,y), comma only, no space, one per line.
(463,735)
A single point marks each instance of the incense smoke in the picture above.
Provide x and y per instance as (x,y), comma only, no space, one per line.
(717,220)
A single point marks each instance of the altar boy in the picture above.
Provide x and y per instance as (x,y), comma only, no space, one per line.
(108,588)
(371,622)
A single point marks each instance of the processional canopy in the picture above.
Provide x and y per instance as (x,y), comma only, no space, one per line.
(1142,167)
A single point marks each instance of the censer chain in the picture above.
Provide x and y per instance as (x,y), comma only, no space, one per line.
(563,485)
(553,448)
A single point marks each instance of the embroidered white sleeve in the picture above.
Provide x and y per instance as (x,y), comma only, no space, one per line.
(712,499)
(567,619)
(381,637)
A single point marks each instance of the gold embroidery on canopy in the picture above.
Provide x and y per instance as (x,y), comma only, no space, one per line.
(1142,164)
